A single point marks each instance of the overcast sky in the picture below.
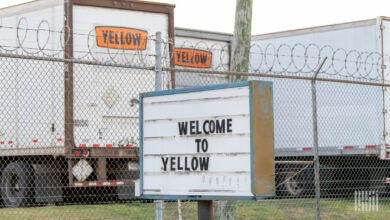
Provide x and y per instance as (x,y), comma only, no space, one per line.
(270,15)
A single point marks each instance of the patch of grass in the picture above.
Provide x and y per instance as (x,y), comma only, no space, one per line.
(135,210)
(263,209)
(276,209)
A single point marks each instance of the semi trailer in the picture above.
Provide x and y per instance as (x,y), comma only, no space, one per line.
(72,123)
(352,117)
(68,122)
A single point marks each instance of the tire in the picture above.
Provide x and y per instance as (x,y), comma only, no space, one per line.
(296,182)
(123,172)
(17,184)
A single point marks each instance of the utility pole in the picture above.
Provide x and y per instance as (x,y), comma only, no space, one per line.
(241,39)
(239,63)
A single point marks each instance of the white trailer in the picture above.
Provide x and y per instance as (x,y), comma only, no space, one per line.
(352,119)
(68,124)
(352,125)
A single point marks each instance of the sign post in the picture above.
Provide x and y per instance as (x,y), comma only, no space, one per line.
(208,143)
(205,210)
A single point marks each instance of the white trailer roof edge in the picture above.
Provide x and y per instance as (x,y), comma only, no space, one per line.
(205,35)
(29,7)
(324,28)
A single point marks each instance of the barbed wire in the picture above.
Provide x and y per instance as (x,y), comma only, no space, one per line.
(304,59)
(41,39)
(300,59)
(32,41)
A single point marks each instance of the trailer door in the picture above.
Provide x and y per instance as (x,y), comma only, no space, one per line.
(106,96)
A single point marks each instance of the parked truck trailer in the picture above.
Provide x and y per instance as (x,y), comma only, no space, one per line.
(84,127)
(66,124)
(352,119)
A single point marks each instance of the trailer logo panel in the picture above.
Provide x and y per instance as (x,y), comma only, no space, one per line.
(121,38)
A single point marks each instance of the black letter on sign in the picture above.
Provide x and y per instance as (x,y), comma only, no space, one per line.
(220,126)
(183,128)
(204,163)
(111,37)
(205,145)
(105,34)
(178,164)
(192,127)
(197,128)
(128,39)
(203,59)
(173,163)
(137,39)
(205,126)
(197,141)
(178,55)
(186,168)
(165,162)
(194,163)
(229,125)
(122,41)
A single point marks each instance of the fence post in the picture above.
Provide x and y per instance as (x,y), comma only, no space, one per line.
(158,87)
(158,67)
(180,216)
(315,142)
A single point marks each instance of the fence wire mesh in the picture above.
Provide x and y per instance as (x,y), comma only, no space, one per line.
(69,131)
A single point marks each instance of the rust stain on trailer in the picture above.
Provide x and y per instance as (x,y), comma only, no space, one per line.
(193,57)
(121,38)
(263,130)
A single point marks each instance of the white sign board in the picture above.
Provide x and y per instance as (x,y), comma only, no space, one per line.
(199,143)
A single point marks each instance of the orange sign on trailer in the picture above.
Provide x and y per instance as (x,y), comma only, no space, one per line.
(121,38)
(193,58)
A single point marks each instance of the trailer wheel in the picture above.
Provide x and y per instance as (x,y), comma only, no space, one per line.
(296,183)
(17,184)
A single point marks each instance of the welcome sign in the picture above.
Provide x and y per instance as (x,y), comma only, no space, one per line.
(208,143)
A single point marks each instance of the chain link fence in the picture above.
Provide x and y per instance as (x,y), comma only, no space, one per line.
(69,131)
